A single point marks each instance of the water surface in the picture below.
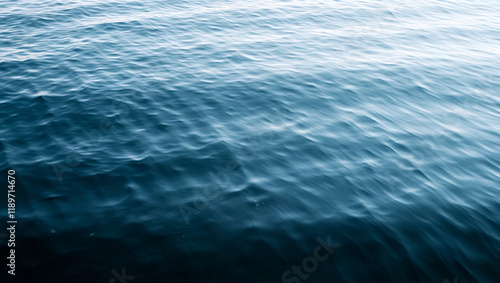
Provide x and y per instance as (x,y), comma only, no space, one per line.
(215,141)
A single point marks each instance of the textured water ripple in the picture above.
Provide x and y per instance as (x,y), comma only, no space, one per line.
(215,141)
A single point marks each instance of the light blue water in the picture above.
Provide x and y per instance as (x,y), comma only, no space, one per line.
(215,141)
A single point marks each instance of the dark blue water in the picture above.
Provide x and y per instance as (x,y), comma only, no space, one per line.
(244,141)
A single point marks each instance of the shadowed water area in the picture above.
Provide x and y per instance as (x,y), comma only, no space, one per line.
(216,141)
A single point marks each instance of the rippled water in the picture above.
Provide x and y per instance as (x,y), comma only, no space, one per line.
(216,141)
